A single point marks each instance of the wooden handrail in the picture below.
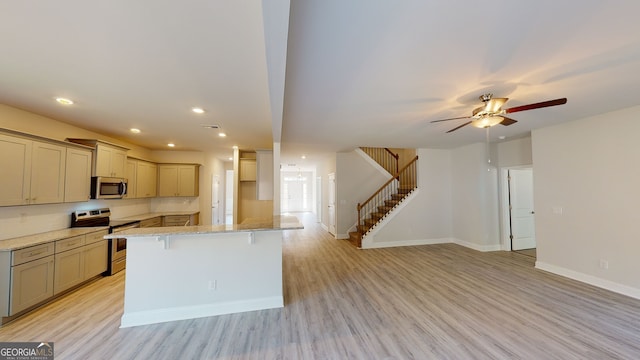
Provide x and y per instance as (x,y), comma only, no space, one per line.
(394,177)
(384,157)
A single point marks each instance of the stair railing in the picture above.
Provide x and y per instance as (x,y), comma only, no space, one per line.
(385,157)
(402,182)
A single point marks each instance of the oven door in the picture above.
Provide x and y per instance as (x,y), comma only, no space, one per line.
(119,245)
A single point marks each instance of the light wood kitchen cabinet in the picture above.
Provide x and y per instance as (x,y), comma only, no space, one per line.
(79,258)
(69,269)
(95,258)
(153,222)
(109,160)
(31,283)
(33,171)
(132,178)
(248,170)
(177,220)
(178,179)
(47,173)
(35,274)
(77,183)
(15,162)
(146,179)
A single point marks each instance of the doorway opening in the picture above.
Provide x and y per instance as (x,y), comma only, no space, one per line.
(228,198)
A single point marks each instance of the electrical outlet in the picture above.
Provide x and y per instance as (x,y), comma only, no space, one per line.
(213,285)
(604,264)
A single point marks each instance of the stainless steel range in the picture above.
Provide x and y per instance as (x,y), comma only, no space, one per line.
(118,246)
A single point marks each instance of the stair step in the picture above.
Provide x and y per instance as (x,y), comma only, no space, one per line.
(404,190)
(398,196)
(370,222)
(378,215)
(391,203)
(385,209)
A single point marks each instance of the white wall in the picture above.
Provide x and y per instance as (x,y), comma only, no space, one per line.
(474,199)
(586,190)
(426,217)
(514,152)
(356,180)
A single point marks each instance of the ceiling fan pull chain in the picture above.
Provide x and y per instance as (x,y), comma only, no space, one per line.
(488,150)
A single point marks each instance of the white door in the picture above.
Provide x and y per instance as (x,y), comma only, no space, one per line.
(332,204)
(521,205)
(215,200)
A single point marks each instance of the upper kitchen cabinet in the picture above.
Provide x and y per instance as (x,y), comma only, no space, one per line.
(33,171)
(132,177)
(248,168)
(146,179)
(178,179)
(109,160)
(77,185)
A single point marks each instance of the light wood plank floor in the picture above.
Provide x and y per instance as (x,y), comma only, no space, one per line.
(423,302)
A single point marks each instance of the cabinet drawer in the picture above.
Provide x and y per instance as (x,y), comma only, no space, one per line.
(176,220)
(32,253)
(69,243)
(153,222)
(95,236)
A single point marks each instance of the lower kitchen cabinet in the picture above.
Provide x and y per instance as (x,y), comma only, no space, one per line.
(95,258)
(31,283)
(153,222)
(180,220)
(69,270)
(38,273)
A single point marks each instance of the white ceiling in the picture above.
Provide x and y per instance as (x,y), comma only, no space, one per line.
(358,72)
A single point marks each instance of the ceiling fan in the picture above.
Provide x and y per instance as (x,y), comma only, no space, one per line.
(492,113)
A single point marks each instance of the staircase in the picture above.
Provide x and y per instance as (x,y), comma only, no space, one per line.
(384,200)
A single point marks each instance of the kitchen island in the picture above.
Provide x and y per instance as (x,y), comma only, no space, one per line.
(179,273)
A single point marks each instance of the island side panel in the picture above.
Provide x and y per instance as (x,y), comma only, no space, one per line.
(201,275)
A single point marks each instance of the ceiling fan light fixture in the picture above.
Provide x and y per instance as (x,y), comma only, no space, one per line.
(487,121)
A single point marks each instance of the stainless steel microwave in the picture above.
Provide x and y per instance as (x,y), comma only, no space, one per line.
(108,188)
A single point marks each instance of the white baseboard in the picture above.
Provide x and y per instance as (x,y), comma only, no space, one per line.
(386,244)
(324,227)
(483,248)
(191,312)
(342,236)
(590,279)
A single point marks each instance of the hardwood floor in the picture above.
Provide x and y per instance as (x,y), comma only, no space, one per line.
(423,302)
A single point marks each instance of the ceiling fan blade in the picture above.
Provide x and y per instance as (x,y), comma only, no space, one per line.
(456,118)
(456,128)
(507,121)
(536,105)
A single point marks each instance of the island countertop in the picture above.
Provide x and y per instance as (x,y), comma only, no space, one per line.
(275,223)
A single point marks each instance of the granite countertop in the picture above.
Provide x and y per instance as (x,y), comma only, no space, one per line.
(275,223)
(49,236)
(147,216)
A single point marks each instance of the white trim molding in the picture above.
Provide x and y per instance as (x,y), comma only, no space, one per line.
(590,279)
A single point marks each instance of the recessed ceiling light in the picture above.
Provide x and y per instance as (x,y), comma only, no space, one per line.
(235,146)
(303,157)
(64,101)
(135,131)
(197,110)
(222,134)
(502,137)
(230,158)
(171,144)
